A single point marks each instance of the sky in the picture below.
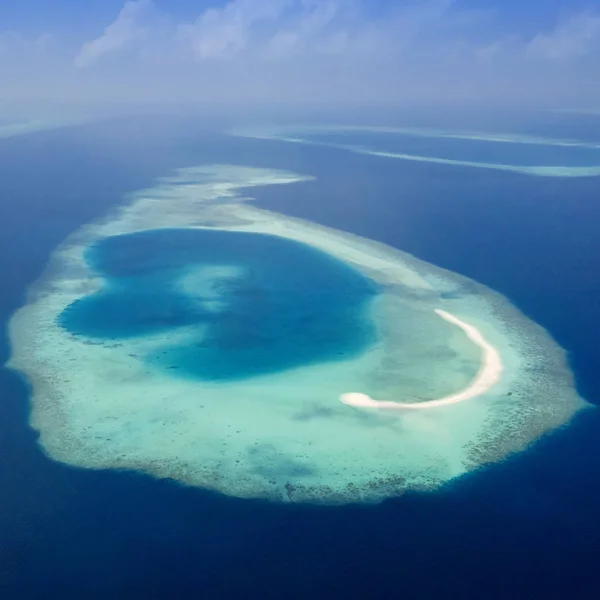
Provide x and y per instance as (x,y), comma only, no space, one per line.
(538,53)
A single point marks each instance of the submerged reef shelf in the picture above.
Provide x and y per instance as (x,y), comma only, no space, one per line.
(507,138)
(100,400)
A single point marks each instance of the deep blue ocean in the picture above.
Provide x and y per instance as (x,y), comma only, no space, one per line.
(526,528)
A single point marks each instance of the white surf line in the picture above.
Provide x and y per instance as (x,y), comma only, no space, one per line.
(488,376)
(538,171)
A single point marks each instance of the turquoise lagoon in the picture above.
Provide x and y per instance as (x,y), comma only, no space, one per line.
(258,303)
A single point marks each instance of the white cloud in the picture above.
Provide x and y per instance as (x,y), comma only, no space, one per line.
(259,30)
(577,36)
(222,33)
(280,28)
(326,51)
(125,30)
(320,26)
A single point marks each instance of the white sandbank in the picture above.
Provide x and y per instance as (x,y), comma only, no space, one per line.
(507,138)
(286,436)
(541,171)
(487,377)
(297,135)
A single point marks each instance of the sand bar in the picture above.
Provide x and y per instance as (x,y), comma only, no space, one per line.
(487,377)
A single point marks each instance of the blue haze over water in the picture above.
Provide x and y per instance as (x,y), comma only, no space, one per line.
(527,528)
(289,304)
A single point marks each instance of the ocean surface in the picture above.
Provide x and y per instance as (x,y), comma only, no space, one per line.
(526,528)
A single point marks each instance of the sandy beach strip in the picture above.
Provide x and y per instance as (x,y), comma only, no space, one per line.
(486,378)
